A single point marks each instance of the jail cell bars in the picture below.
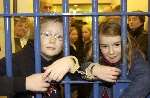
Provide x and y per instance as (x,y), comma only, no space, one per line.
(117,88)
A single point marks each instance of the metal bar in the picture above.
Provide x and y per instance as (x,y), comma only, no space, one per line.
(67,87)
(66,28)
(78,14)
(95,46)
(118,87)
(148,32)
(8,47)
(124,35)
(82,82)
(37,46)
(96,87)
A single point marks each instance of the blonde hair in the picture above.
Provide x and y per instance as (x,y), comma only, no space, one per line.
(25,21)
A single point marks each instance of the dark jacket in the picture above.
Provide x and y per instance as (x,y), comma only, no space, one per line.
(23,66)
(18,44)
(141,37)
(139,75)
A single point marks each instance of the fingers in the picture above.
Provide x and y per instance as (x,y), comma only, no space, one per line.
(59,78)
(113,77)
(114,73)
(46,84)
(115,69)
(108,78)
(44,89)
(55,76)
(107,73)
(47,72)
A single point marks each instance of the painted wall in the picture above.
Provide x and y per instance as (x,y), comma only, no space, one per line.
(2,33)
(134,4)
(25,6)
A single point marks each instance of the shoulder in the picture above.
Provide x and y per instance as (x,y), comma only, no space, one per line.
(138,58)
(144,35)
(137,54)
(139,64)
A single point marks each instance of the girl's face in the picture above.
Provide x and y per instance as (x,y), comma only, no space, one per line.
(51,38)
(111,48)
(86,33)
(21,29)
(73,35)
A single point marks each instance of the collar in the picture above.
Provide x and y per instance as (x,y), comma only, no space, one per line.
(105,61)
(135,33)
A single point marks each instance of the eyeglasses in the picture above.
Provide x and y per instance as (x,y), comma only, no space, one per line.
(50,35)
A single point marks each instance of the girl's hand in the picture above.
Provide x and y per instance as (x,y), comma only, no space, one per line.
(106,73)
(58,69)
(36,82)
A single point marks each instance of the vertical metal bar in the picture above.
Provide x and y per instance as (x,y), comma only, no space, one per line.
(8,47)
(95,38)
(124,35)
(118,87)
(66,43)
(66,28)
(148,35)
(37,46)
(149,32)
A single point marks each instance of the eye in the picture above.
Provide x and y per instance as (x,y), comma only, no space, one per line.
(129,19)
(117,44)
(46,34)
(103,46)
(60,37)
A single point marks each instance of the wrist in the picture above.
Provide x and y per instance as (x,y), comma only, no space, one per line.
(74,65)
(90,71)
(92,68)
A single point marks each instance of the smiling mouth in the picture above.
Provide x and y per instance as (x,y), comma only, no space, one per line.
(112,57)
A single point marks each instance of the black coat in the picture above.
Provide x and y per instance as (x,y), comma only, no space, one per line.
(141,37)
(23,66)
(18,44)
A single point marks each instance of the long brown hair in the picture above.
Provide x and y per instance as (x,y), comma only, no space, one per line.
(114,29)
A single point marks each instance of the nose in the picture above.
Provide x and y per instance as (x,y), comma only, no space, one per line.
(52,39)
(111,50)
